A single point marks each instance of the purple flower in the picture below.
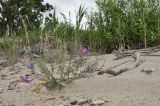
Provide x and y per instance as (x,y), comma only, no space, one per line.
(84,50)
(24,78)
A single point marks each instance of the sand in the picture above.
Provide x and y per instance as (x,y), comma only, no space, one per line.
(131,88)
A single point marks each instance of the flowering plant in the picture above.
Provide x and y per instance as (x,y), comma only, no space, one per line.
(83,51)
(25,78)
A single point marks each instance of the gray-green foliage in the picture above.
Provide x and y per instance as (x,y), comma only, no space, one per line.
(51,82)
(61,71)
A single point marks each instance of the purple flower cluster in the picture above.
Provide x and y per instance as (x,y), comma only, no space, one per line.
(83,51)
(25,78)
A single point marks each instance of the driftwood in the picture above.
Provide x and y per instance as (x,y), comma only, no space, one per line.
(138,61)
(144,52)
(129,55)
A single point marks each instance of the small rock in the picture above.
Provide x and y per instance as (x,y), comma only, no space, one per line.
(100,73)
(11,73)
(82,101)
(74,102)
(97,103)
(53,98)
(10,87)
(63,105)
(148,70)
(0,102)
(65,99)
(3,77)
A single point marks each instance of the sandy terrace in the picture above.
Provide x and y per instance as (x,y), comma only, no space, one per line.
(132,88)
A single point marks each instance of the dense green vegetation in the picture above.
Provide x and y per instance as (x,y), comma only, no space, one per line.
(15,13)
(117,24)
(132,23)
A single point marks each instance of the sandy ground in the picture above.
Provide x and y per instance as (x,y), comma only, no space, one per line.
(132,88)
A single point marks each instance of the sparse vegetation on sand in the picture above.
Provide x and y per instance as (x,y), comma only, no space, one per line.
(105,61)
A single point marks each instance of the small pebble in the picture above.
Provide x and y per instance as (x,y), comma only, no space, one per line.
(63,105)
(97,103)
(10,87)
(3,77)
(148,70)
(82,101)
(53,98)
(74,102)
